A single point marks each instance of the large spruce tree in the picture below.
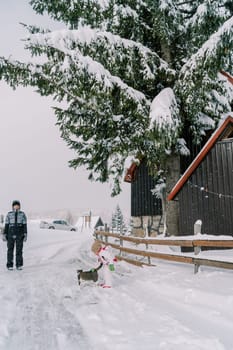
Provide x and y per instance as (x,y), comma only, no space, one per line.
(133,77)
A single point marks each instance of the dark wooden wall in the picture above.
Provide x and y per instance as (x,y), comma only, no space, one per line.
(208,194)
(143,203)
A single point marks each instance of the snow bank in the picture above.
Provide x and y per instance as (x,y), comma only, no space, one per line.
(164,308)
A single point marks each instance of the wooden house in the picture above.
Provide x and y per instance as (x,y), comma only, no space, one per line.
(146,209)
(89,221)
(205,190)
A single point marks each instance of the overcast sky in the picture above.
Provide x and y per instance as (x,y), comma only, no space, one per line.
(33,157)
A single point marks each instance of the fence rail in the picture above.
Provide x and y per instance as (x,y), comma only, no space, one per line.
(196,244)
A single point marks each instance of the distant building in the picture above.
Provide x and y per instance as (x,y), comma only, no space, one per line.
(88,221)
(205,190)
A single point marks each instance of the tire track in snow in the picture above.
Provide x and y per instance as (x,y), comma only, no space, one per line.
(39,298)
(45,322)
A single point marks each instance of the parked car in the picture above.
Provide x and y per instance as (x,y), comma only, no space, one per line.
(58,225)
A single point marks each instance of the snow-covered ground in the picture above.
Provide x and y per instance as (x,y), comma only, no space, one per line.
(165,307)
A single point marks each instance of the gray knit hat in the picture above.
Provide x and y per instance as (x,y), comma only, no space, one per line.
(96,246)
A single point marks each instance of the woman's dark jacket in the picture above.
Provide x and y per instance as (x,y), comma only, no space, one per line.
(15,224)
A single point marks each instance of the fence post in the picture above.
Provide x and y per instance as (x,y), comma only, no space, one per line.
(149,259)
(196,268)
(95,234)
(121,244)
(146,236)
(197,230)
(106,239)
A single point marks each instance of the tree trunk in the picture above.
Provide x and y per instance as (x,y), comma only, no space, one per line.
(172,207)
(166,52)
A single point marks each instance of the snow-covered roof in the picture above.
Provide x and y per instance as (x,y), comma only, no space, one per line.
(217,135)
(130,173)
(93,223)
(228,76)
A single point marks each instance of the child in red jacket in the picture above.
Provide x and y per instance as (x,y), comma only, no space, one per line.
(105,257)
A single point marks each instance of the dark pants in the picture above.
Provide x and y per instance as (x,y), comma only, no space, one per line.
(11,243)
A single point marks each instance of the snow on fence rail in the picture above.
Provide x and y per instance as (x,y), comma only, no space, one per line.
(196,244)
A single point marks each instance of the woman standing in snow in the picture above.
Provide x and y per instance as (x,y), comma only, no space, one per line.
(15,233)
(105,257)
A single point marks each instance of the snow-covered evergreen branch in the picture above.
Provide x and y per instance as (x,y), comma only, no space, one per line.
(113,59)
(117,55)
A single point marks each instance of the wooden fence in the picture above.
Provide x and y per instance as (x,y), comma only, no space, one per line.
(196,244)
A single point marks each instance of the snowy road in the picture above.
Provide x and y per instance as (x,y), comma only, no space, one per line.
(161,308)
(34,313)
